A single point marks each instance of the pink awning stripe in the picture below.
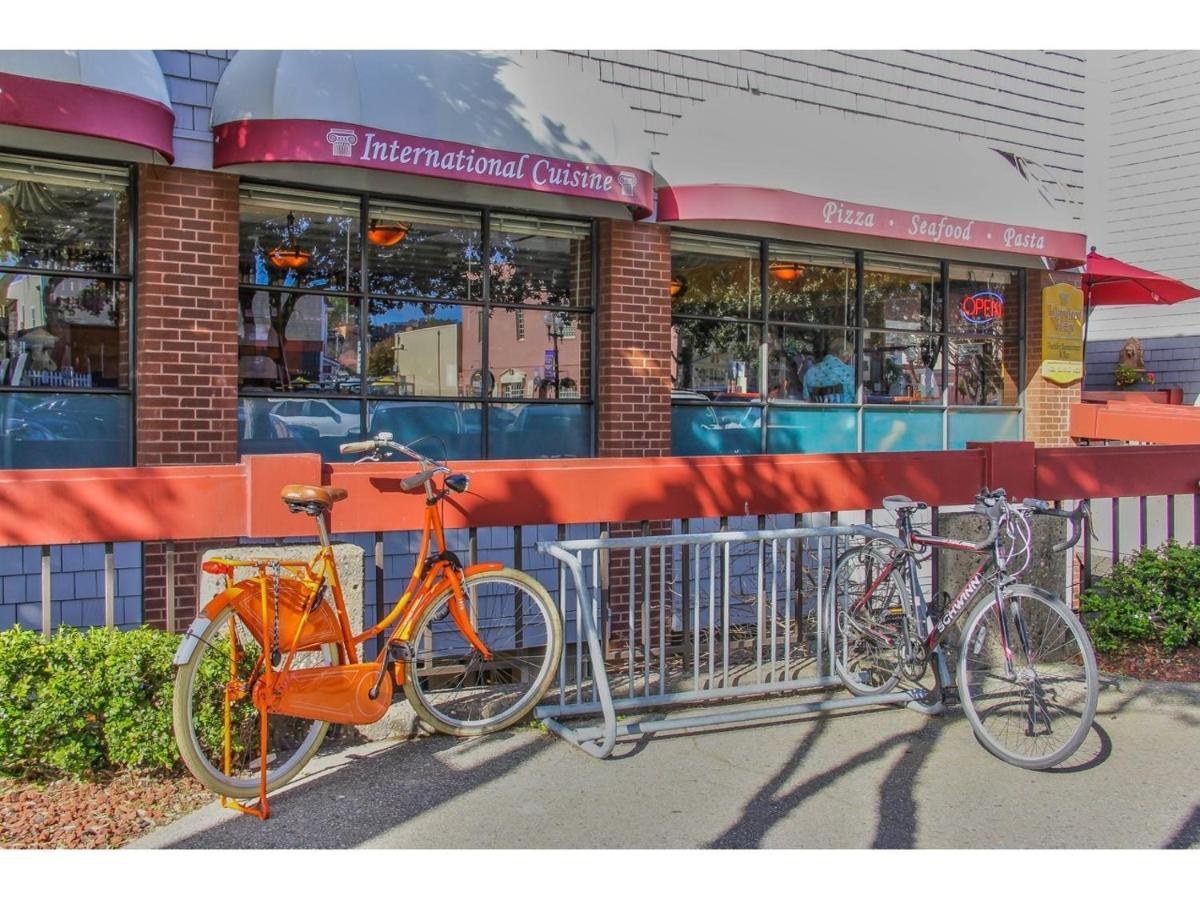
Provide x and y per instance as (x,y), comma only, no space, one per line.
(85,110)
(736,203)
(361,146)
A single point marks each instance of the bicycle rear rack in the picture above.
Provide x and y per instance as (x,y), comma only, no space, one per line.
(728,644)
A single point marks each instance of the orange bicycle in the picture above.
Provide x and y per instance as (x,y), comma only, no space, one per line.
(271,661)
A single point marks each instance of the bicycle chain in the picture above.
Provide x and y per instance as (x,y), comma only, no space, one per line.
(275,656)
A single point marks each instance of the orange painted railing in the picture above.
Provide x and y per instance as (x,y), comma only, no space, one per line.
(203,502)
(1150,423)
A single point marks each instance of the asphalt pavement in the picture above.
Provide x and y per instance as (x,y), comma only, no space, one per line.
(874,778)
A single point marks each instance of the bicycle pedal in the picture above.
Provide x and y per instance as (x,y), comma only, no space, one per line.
(401,651)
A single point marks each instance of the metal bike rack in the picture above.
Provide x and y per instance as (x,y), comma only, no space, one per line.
(710,663)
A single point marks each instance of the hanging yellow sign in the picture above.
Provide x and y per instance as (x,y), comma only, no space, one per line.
(1062,334)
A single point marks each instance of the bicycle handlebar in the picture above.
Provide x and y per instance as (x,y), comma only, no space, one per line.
(383,441)
(1075,517)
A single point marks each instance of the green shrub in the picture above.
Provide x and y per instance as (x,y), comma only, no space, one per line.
(84,703)
(1154,596)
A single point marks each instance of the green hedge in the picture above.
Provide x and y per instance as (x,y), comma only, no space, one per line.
(83,703)
(1152,597)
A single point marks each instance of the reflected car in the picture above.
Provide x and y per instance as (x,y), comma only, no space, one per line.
(315,416)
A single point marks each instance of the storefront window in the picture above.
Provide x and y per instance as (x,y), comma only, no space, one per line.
(884,356)
(64,327)
(902,294)
(429,350)
(302,240)
(424,253)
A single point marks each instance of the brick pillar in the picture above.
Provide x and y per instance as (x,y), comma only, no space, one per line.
(1047,405)
(634,397)
(187,346)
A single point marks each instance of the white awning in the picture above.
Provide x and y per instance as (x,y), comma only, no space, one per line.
(769,161)
(487,120)
(111,103)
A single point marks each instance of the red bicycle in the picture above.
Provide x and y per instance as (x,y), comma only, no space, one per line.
(1026,670)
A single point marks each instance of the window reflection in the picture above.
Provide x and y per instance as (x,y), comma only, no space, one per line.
(715,359)
(419,252)
(63,216)
(539,354)
(539,261)
(294,341)
(424,349)
(810,287)
(300,240)
(979,375)
(902,368)
(62,332)
(902,294)
(712,277)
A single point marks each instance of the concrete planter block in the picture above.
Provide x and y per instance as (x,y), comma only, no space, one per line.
(1048,571)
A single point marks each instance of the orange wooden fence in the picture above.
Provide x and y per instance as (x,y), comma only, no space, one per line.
(202,502)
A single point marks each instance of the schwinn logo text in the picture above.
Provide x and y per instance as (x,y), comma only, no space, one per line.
(969,590)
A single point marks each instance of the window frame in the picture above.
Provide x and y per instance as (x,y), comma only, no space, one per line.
(859,331)
(481,307)
(128,278)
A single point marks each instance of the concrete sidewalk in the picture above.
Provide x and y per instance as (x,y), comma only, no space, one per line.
(878,778)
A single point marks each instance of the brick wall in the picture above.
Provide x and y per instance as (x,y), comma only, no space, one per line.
(187,345)
(1047,405)
(634,402)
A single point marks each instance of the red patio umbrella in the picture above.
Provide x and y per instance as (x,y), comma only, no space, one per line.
(1110,282)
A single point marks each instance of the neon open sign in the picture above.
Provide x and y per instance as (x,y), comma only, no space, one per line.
(983,308)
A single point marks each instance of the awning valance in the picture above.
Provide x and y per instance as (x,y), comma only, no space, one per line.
(761,160)
(103,95)
(504,120)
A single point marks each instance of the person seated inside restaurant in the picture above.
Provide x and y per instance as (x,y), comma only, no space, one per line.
(832,379)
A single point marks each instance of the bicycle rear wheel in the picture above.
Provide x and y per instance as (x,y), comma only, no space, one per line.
(868,632)
(1036,711)
(452,687)
(200,685)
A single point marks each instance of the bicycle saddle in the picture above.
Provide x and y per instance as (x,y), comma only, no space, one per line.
(897,502)
(311,499)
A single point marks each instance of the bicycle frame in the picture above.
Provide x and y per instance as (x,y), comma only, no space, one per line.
(932,632)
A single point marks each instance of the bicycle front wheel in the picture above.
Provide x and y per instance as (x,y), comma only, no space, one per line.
(199,713)
(869,625)
(452,687)
(1031,706)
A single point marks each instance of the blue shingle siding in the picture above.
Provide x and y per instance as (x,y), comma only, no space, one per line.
(1175,362)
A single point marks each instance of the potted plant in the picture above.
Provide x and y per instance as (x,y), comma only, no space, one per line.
(1127,377)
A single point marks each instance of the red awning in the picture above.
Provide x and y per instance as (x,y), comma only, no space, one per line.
(1110,282)
(763,161)
(110,95)
(509,121)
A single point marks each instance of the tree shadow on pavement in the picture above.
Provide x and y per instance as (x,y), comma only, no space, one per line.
(367,795)
(897,824)
(1188,834)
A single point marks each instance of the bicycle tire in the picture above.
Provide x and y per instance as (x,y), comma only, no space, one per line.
(473,702)
(1059,677)
(865,666)
(204,761)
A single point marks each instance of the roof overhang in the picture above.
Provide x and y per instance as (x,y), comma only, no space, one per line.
(507,122)
(774,163)
(110,103)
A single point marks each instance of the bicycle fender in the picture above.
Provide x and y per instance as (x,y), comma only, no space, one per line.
(191,639)
(320,628)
